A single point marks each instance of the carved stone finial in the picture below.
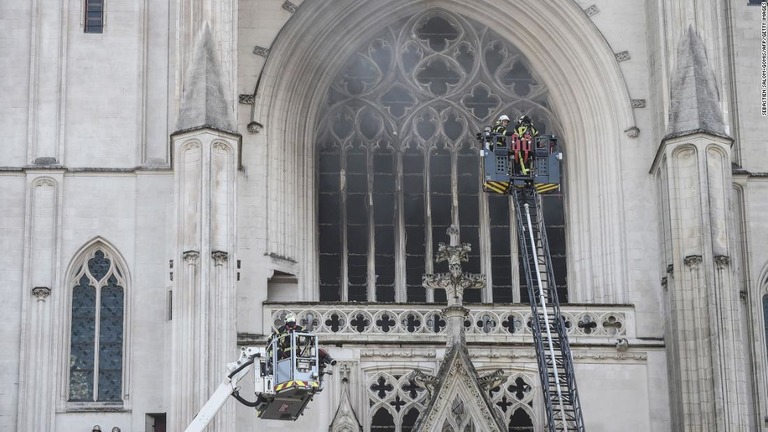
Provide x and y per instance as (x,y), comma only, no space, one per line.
(219,257)
(41,293)
(455,281)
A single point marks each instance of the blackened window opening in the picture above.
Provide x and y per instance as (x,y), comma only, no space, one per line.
(397,162)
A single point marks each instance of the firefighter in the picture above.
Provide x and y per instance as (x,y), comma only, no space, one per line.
(522,149)
(525,125)
(500,127)
(283,335)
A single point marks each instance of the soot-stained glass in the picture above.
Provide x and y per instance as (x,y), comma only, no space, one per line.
(96,331)
(111,341)
(396,154)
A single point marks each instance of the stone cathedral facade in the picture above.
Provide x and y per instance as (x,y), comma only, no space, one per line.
(177,176)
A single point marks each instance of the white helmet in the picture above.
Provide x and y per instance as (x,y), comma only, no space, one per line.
(504,117)
(290,317)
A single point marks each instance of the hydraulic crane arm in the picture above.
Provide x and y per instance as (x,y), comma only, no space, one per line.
(228,386)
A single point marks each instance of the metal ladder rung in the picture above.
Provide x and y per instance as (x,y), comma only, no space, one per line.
(547,324)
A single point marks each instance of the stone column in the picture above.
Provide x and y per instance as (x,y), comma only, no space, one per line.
(204,334)
(707,346)
(37,377)
(693,168)
(206,150)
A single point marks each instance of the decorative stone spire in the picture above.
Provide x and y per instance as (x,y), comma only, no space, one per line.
(204,102)
(345,419)
(458,397)
(695,102)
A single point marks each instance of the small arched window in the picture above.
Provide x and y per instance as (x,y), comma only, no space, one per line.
(97,329)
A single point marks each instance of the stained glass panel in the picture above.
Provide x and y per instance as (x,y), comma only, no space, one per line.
(98,266)
(97,311)
(111,342)
(83,334)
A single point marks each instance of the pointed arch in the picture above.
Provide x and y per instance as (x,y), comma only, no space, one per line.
(95,366)
(757,338)
(590,99)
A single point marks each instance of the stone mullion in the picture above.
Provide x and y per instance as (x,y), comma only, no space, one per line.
(96,337)
(371,253)
(401,288)
(344,276)
(428,252)
(514,252)
(485,247)
(454,187)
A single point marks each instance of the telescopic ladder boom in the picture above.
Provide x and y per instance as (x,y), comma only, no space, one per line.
(553,353)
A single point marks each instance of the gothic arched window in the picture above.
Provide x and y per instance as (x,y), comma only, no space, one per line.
(97,329)
(514,401)
(395,402)
(398,162)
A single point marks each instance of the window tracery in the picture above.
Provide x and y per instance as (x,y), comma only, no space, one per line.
(397,160)
(395,402)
